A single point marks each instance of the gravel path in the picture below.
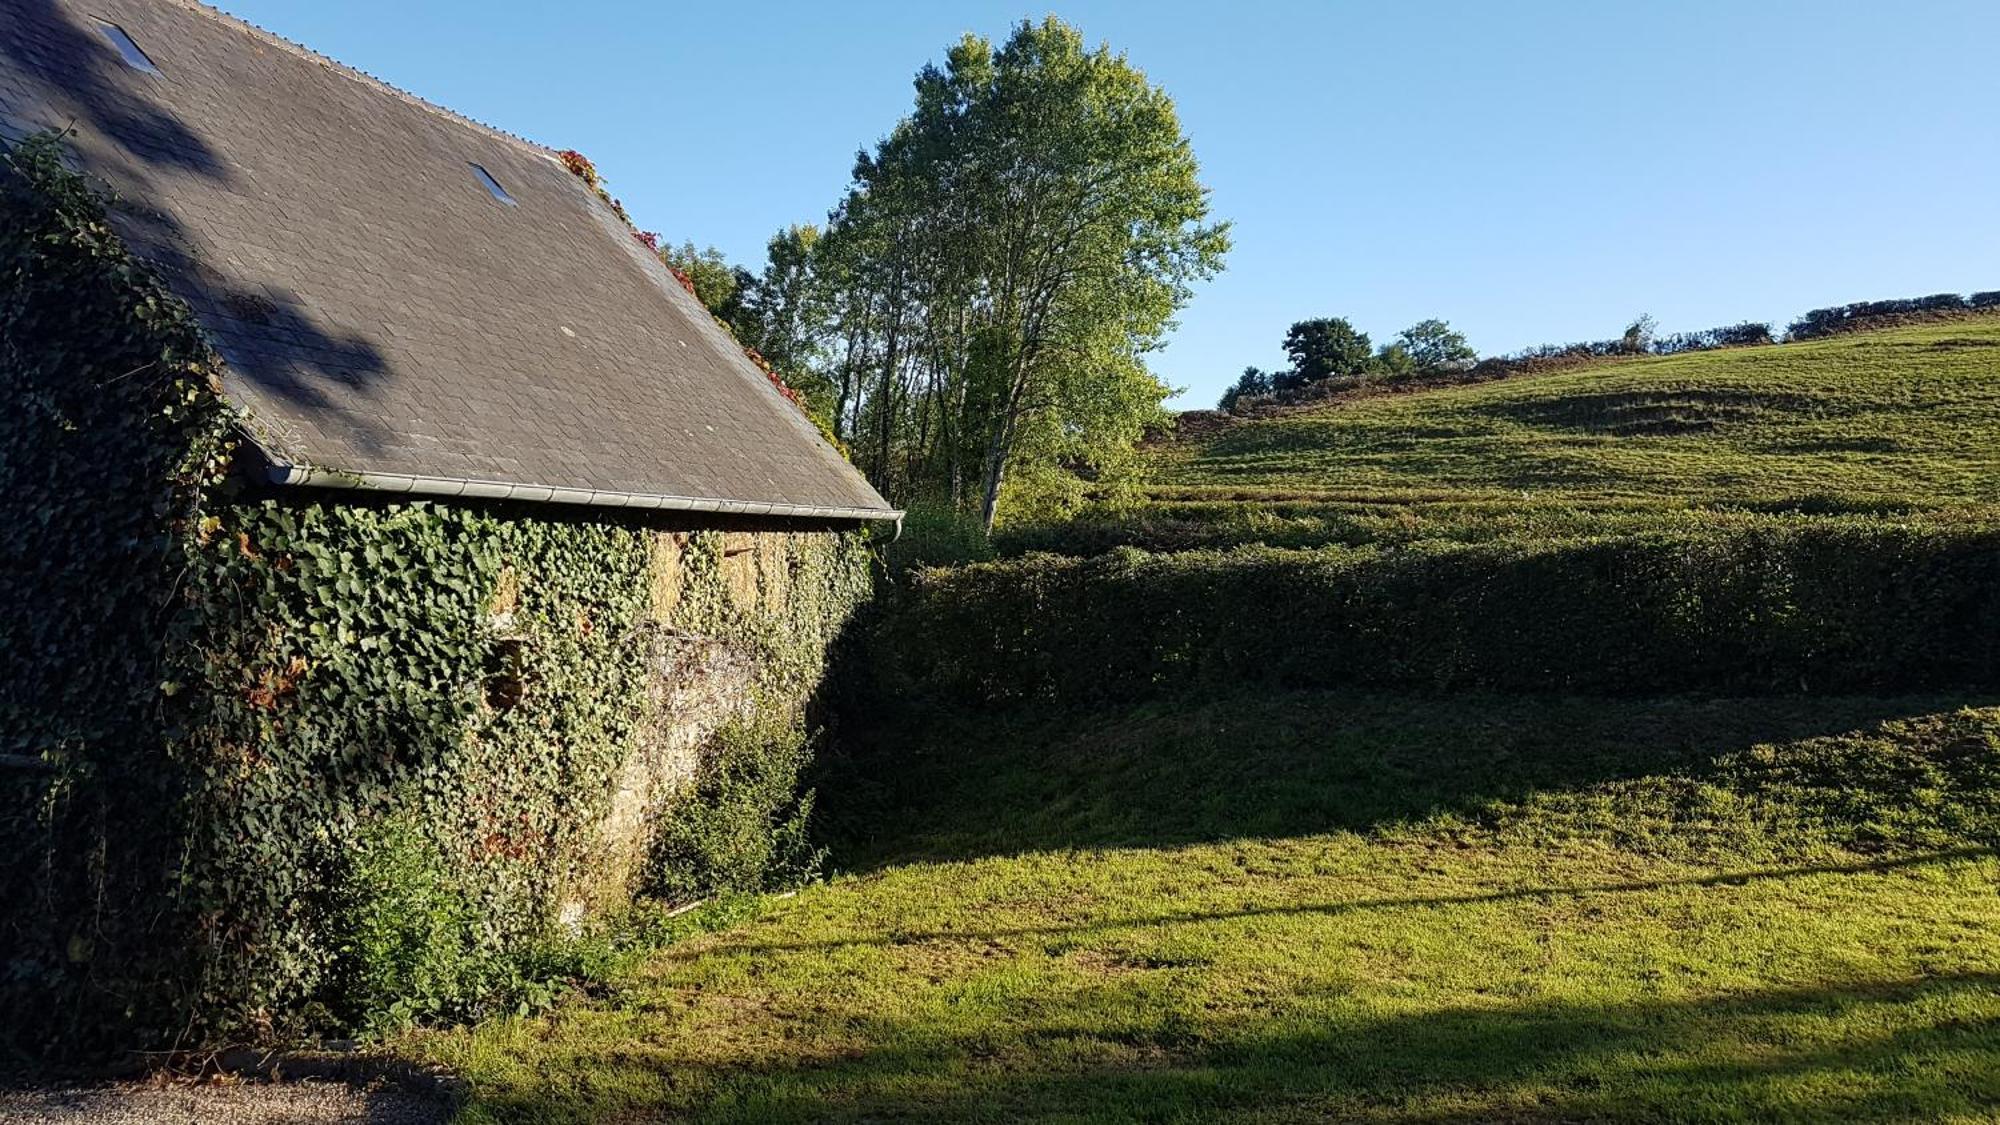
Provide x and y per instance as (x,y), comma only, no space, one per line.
(301,1103)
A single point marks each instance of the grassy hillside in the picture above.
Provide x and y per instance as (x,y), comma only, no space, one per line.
(1904,422)
(1340,907)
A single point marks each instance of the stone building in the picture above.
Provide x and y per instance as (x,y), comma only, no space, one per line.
(428,487)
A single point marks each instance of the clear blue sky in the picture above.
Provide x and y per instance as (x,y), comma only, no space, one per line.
(1532,172)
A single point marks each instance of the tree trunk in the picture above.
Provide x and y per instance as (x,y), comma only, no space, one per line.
(996,472)
(1003,439)
(887,411)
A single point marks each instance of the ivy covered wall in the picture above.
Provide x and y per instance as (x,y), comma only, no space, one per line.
(288,763)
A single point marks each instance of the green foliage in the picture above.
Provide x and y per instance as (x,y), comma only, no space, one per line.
(610,949)
(718,285)
(110,443)
(470,670)
(938,534)
(1329,355)
(406,928)
(782,308)
(1840,608)
(824,579)
(309,760)
(1005,258)
(1392,362)
(1253,383)
(1299,906)
(741,824)
(1324,348)
(1433,345)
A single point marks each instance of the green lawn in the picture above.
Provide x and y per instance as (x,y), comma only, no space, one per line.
(1898,422)
(1339,906)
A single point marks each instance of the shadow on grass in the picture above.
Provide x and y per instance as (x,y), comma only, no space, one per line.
(1660,412)
(1653,775)
(1851,1050)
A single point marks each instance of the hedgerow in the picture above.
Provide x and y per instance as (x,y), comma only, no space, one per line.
(1838,608)
(290,763)
(1749,334)
(1863,315)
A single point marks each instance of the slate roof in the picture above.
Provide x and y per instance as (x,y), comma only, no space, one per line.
(386,321)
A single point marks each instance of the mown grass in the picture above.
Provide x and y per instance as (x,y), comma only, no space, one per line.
(1902,423)
(1313,907)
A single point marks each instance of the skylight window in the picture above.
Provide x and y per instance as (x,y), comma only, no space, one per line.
(134,57)
(493,185)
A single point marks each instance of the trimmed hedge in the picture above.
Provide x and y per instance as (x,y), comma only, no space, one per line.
(1822,610)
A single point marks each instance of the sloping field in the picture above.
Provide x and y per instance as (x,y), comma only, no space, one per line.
(1903,423)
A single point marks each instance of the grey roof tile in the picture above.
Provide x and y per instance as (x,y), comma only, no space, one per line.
(376,306)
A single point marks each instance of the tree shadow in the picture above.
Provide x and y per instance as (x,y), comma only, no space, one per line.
(147,161)
(1853,1049)
(916,784)
(1662,412)
(271,343)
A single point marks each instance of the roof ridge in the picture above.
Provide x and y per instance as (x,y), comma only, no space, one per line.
(358,75)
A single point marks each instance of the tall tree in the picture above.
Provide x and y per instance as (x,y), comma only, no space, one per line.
(782,313)
(1002,264)
(1326,347)
(1434,345)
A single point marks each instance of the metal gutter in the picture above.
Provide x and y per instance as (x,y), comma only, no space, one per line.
(537,493)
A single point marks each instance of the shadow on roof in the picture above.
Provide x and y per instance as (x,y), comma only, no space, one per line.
(69,55)
(268,338)
(265,334)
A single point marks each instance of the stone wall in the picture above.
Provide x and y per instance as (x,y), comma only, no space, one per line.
(720,602)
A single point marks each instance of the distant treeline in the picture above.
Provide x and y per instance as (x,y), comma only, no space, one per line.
(1748,334)
(1258,391)
(1638,339)
(1872,314)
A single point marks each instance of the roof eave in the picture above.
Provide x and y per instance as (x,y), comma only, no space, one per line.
(459,487)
